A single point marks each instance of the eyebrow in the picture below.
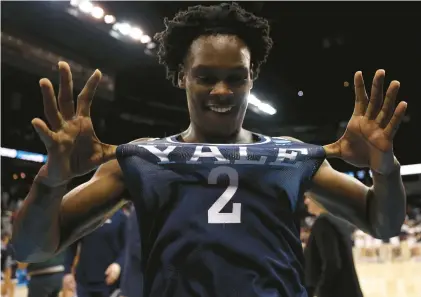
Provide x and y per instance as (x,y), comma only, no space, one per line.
(201,67)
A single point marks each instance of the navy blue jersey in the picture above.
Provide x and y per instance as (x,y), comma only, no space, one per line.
(219,219)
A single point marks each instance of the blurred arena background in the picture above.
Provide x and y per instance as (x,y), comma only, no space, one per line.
(305,90)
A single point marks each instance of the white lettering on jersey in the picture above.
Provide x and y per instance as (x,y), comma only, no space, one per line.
(214,153)
(215,216)
(289,155)
(161,155)
(243,158)
(282,155)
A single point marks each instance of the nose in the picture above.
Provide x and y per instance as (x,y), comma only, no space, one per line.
(221,89)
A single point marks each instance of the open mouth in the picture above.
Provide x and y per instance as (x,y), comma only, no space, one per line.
(221,109)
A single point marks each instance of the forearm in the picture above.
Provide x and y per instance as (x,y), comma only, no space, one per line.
(386,204)
(36,230)
(49,222)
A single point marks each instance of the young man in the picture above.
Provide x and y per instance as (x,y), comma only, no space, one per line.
(215,203)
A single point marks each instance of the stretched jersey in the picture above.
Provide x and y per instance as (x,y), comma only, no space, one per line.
(219,219)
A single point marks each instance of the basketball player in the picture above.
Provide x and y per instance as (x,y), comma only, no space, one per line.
(216,203)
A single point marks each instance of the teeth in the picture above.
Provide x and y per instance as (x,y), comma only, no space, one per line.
(220,109)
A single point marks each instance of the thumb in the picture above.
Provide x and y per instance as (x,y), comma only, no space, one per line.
(43,131)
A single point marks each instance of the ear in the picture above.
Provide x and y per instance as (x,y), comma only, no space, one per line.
(181,79)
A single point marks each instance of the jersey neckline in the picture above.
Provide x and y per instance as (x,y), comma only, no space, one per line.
(262,140)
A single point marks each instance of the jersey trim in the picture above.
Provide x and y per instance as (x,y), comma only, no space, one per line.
(263,139)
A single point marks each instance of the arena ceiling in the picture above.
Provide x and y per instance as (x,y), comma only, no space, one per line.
(318,47)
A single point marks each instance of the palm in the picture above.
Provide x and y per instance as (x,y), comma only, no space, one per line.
(78,141)
(73,148)
(368,138)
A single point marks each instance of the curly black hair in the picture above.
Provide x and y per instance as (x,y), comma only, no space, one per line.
(226,18)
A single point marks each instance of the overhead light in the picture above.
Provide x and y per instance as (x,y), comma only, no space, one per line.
(264,107)
(119,29)
(151,45)
(267,108)
(10,153)
(136,33)
(300,93)
(253,100)
(115,34)
(123,28)
(148,52)
(86,6)
(411,169)
(74,3)
(145,39)
(97,12)
(109,19)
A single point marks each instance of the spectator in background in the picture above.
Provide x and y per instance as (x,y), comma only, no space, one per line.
(330,270)
(8,266)
(131,283)
(101,257)
(45,277)
(6,221)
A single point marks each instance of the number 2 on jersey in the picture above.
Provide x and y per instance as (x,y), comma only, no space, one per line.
(215,216)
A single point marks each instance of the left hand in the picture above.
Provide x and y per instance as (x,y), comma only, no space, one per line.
(368,139)
(112,273)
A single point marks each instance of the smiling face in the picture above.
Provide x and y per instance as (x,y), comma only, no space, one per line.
(217,80)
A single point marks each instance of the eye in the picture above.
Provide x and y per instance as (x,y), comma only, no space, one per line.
(206,80)
(236,79)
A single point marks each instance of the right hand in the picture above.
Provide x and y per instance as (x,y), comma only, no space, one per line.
(69,282)
(73,148)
